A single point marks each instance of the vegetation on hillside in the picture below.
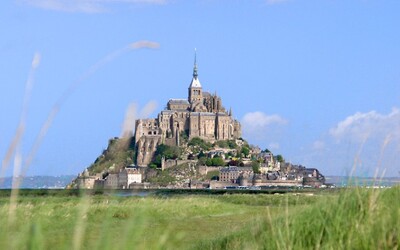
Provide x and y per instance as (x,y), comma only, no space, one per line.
(168,152)
(119,153)
(199,144)
(215,161)
(231,144)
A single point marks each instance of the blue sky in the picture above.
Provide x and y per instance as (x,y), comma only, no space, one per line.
(315,81)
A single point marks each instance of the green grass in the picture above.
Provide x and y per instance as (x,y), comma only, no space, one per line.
(107,222)
(349,219)
(353,219)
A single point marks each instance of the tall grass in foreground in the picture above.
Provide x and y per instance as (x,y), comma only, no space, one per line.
(107,222)
(349,219)
(355,219)
(22,164)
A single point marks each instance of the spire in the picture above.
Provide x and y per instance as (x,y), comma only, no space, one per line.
(230,111)
(195,80)
(195,65)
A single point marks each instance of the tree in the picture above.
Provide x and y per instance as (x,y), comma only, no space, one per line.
(266,151)
(153,165)
(222,144)
(202,161)
(245,151)
(218,161)
(256,167)
(201,154)
(280,158)
(168,152)
(232,144)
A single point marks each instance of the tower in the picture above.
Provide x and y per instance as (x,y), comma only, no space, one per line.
(195,89)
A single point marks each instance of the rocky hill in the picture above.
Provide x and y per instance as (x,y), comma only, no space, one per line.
(120,152)
(182,164)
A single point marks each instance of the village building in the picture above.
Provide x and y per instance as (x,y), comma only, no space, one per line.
(128,176)
(232,173)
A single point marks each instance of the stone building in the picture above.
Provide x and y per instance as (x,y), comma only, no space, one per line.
(232,173)
(86,181)
(200,115)
(111,181)
(121,180)
(127,176)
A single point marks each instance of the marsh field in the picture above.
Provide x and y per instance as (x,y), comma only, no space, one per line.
(356,218)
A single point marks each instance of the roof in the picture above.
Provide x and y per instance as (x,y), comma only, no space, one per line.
(178,101)
(230,169)
(195,83)
(167,111)
(203,113)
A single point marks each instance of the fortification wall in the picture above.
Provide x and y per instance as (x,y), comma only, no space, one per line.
(173,163)
(203,170)
(146,149)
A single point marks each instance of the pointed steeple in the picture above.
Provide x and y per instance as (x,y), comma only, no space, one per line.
(230,111)
(195,80)
(195,65)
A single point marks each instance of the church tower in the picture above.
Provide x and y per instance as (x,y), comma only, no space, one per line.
(195,89)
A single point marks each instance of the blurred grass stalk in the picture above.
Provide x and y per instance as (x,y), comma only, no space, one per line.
(14,148)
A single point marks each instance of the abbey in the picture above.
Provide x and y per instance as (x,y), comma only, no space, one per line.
(200,115)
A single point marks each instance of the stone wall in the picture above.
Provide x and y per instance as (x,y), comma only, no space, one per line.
(86,182)
(203,170)
(173,163)
(221,184)
(146,147)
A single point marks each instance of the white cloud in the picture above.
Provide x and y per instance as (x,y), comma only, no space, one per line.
(87,6)
(360,144)
(259,120)
(362,126)
(144,44)
(263,129)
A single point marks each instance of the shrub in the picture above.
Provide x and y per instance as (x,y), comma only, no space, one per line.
(280,158)
(202,161)
(196,141)
(226,144)
(217,161)
(256,167)
(245,151)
